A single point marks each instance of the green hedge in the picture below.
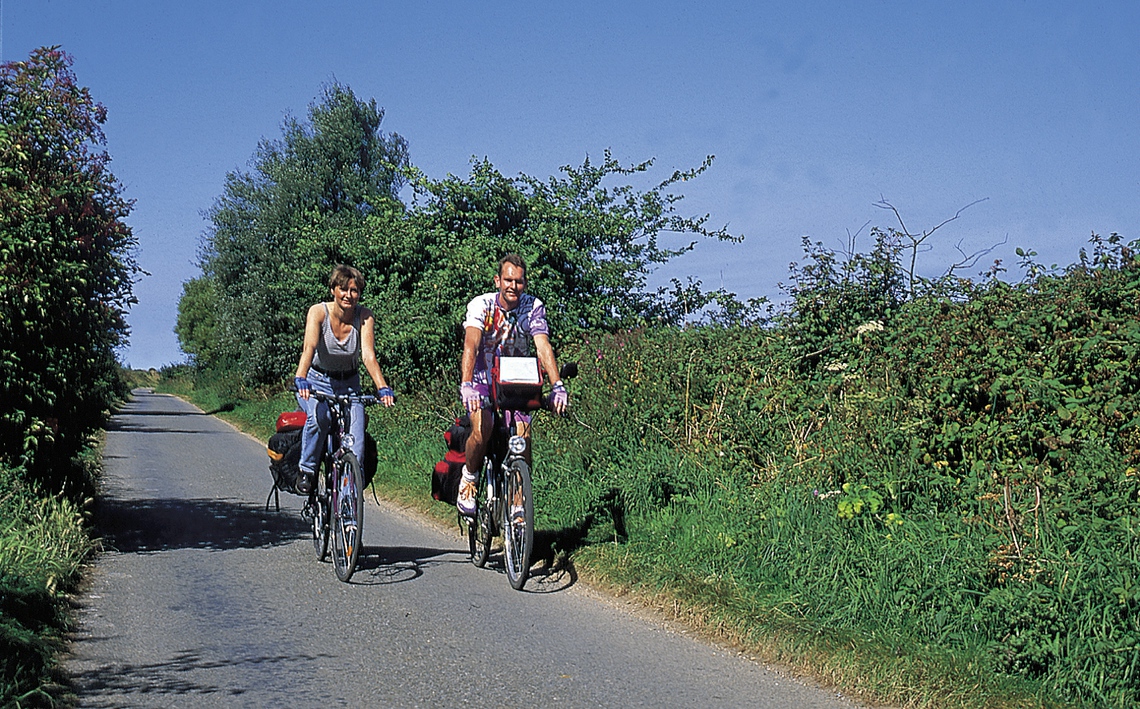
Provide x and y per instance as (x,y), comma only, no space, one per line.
(964,475)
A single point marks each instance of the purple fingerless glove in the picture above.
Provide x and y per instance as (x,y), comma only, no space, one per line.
(301,384)
(561,397)
(470,396)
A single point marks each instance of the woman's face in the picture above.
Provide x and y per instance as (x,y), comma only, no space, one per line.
(348,296)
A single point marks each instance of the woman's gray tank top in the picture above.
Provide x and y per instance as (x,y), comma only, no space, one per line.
(333,355)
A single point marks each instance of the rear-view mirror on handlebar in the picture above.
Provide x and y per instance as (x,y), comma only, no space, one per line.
(568,370)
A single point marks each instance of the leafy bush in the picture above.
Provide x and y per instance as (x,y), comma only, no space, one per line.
(67,271)
(962,472)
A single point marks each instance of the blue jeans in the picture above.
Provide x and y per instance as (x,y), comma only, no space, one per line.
(317,419)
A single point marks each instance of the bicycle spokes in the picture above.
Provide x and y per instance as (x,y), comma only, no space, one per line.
(518,524)
(348,516)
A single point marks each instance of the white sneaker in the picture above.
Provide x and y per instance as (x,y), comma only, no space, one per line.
(466,500)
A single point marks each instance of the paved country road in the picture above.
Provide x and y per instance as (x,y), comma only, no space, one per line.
(202,598)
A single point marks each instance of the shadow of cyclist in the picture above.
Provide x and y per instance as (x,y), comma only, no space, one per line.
(384,565)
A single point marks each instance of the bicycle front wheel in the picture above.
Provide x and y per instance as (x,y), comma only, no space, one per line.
(518,524)
(319,507)
(481,529)
(347,515)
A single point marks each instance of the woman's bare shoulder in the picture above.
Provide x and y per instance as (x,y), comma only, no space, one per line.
(318,310)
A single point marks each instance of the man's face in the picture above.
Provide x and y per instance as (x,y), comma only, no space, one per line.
(511,283)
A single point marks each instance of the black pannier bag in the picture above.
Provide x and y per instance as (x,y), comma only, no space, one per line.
(284,452)
(368,467)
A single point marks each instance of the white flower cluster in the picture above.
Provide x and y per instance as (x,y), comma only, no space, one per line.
(873,326)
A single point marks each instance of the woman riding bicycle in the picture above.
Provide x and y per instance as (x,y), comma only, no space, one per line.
(339,335)
(500,324)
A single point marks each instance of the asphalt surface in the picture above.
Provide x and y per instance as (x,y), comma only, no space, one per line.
(203,598)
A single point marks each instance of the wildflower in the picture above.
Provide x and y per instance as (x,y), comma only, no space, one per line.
(872,326)
(836,366)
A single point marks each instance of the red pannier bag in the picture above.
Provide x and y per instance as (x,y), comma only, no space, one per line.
(446,476)
(448,472)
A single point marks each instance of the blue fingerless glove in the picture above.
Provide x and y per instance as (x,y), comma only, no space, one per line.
(385,391)
(300,384)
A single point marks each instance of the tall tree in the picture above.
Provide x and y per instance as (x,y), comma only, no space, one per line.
(66,265)
(197,322)
(329,172)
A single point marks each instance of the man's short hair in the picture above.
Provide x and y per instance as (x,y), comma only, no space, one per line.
(514,260)
(341,275)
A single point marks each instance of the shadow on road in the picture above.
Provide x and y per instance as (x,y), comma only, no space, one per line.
(138,424)
(142,526)
(167,684)
(382,565)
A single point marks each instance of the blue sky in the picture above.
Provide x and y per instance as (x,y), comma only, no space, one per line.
(814,111)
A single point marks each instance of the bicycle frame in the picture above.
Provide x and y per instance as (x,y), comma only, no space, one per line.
(503,450)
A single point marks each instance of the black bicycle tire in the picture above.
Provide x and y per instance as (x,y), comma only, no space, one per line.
(319,499)
(347,542)
(480,529)
(518,540)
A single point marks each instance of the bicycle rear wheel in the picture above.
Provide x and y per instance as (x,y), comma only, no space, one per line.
(481,529)
(518,524)
(319,507)
(348,515)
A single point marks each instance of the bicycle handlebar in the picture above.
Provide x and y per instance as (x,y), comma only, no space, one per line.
(366,399)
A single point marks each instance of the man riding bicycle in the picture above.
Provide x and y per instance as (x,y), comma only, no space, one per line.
(503,324)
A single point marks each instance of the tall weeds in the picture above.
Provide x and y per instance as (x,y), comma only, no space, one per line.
(43,544)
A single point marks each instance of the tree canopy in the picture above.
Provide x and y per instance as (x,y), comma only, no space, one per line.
(329,191)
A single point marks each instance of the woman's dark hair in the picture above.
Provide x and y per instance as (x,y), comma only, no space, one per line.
(341,275)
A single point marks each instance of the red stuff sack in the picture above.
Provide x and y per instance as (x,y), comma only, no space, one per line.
(291,421)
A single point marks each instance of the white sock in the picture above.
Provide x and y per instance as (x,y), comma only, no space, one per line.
(467,474)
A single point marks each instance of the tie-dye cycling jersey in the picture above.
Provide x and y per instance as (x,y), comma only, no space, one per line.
(506,333)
